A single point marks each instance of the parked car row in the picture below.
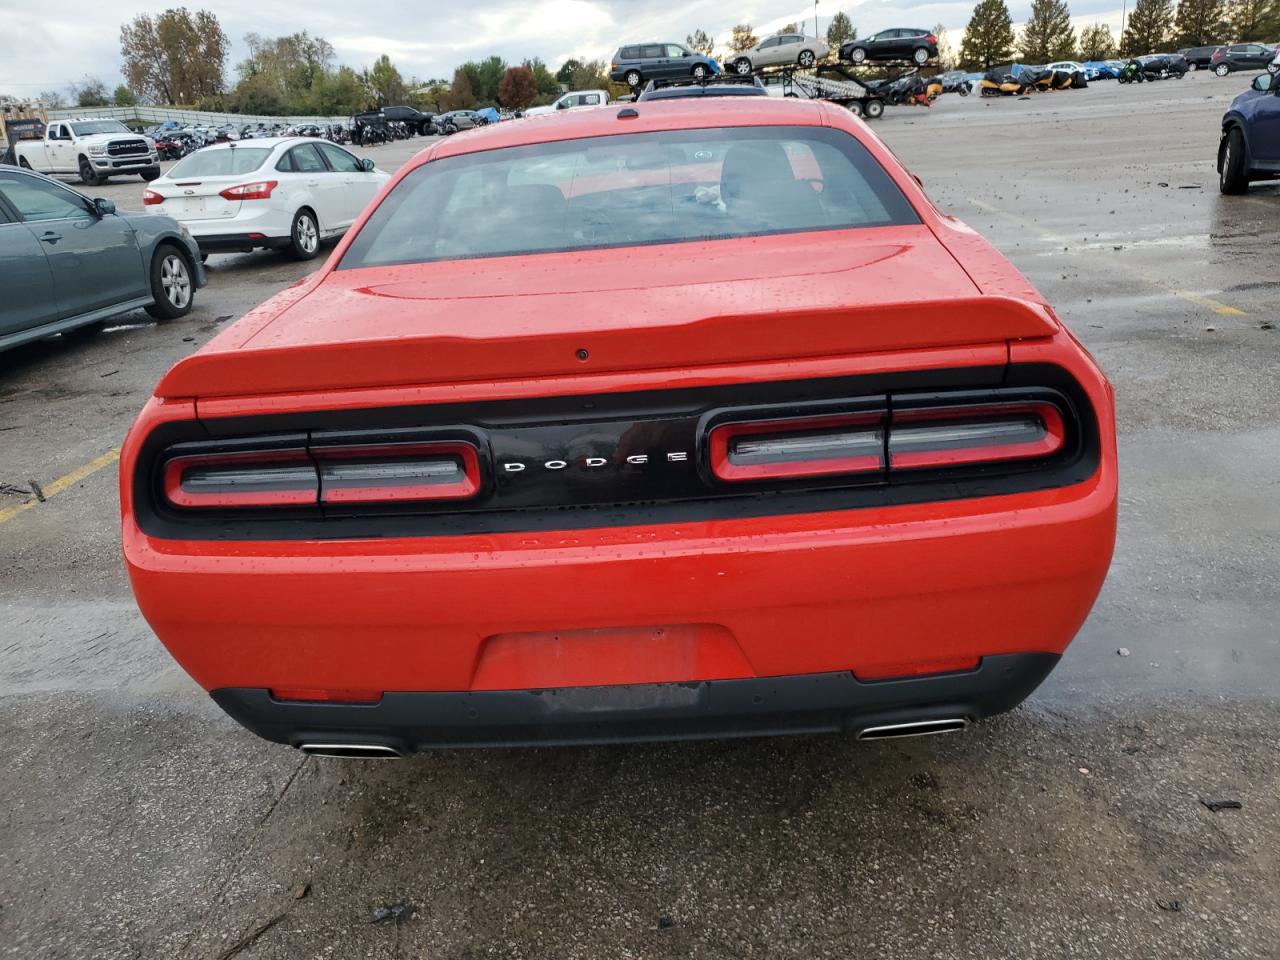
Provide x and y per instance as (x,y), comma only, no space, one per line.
(1223,59)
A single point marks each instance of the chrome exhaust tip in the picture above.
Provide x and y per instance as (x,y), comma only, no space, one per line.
(916,728)
(351,751)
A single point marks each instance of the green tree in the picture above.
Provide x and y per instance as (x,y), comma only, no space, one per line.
(565,72)
(1148,28)
(786,28)
(1096,43)
(1048,35)
(297,66)
(840,30)
(90,92)
(337,93)
(988,39)
(518,88)
(461,96)
(742,38)
(1199,23)
(384,80)
(124,97)
(174,57)
(548,85)
(1254,20)
(699,42)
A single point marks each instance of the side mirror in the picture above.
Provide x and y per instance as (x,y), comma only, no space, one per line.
(366,165)
(103,206)
(687,54)
(562,105)
(1263,82)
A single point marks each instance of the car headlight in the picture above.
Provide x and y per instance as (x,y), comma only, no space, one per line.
(98,150)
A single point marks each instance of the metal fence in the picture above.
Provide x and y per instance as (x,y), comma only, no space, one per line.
(184,117)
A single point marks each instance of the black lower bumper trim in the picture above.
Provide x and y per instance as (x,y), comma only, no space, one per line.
(238,242)
(809,703)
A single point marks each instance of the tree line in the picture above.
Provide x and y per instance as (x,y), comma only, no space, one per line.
(1153,26)
(178,57)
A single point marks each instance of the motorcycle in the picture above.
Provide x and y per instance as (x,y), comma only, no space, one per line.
(1131,72)
(1000,84)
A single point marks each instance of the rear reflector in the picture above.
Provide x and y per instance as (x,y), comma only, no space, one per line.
(985,433)
(917,668)
(796,448)
(280,478)
(385,473)
(326,696)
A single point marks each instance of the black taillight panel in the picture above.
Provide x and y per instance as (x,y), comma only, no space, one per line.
(619,459)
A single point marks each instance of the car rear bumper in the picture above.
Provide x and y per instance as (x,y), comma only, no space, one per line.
(813,703)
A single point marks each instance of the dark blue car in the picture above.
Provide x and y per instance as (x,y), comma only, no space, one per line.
(1250,146)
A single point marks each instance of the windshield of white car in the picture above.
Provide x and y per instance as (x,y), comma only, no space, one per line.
(631,190)
(229,162)
(90,127)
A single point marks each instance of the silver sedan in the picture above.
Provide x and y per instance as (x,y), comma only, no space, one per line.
(783,50)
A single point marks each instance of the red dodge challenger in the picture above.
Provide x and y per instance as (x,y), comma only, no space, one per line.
(688,418)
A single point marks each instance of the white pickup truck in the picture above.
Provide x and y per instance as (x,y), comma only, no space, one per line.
(95,149)
(571,101)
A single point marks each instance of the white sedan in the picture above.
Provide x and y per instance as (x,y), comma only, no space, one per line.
(783,50)
(285,193)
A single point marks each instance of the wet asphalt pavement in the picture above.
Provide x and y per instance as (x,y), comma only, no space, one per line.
(137,821)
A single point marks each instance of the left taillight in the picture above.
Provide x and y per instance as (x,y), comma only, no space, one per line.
(258,190)
(366,474)
(323,475)
(150,198)
(276,478)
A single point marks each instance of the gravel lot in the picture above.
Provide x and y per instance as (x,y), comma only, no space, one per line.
(137,821)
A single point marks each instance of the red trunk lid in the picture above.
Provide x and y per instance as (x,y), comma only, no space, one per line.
(661,307)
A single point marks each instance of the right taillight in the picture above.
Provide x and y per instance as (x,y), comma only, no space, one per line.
(260,190)
(934,437)
(150,197)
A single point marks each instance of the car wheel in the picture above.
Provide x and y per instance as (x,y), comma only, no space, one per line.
(633,78)
(1192,66)
(858,54)
(699,72)
(920,56)
(152,174)
(855,108)
(304,240)
(171,284)
(807,59)
(1232,177)
(873,109)
(742,66)
(87,175)
(1222,69)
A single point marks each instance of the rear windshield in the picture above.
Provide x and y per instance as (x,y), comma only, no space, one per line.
(229,162)
(631,190)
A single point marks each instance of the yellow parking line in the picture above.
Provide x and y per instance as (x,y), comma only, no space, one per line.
(62,483)
(1207,302)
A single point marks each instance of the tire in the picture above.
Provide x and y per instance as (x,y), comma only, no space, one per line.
(742,66)
(806,60)
(873,109)
(963,91)
(171,284)
(87,175)
(700,72)
(633,79)
(151,174)
(1222,69)
(1233,175)
(1192,66)
(920,55)
(858,54)
(855,108)
(304,238)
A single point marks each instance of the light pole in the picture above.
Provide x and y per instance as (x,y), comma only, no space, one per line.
(815,17)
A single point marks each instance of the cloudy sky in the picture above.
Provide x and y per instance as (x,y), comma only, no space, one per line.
(53,43)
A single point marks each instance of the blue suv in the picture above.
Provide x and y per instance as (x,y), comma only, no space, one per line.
(1250,146)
